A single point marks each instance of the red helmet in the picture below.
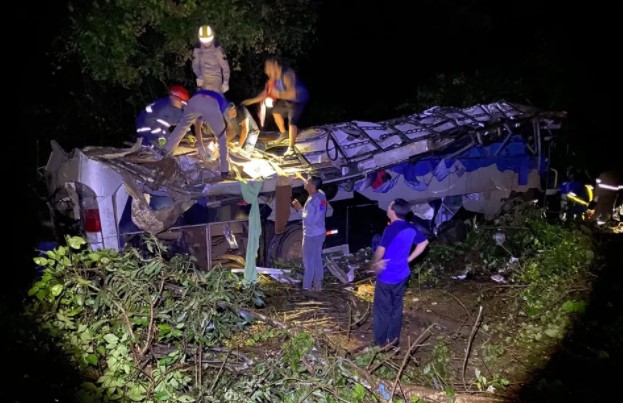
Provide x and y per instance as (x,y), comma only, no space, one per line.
(180,92)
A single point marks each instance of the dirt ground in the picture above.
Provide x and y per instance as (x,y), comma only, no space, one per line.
(446,318)
(459,340)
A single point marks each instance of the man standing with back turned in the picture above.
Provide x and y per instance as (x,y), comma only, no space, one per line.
(391,263)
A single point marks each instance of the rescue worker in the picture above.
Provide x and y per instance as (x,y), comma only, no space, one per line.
(575,197)
(210,63)
(208,107)
(158,119)
(608,196)
(287,96)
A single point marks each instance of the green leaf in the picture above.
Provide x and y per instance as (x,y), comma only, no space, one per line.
(136,393)
(162,395)
(40,261)
(56,290)
(73,311)
(553,332)
(91,359)
(359,392)
(111,338)
(164,361)
(76,242)
(186,399)
(574,306)
(34,289)
(40,295)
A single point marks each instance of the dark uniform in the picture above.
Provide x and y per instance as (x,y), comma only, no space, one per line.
(157,120)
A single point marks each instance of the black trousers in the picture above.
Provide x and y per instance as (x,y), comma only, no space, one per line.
(387,311)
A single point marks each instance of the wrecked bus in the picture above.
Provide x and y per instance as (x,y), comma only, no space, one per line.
(441,160)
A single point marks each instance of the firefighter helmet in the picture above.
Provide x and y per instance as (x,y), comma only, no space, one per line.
(180,92)
(206,34)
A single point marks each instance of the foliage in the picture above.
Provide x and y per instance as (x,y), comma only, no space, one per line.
(134,323)
(129,320)
(114,57)
(123,42)
(438,371)
(466,89)
(136,326)
(544,262)
(483,384)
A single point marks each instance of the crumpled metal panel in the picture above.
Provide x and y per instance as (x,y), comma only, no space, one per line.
(356,148)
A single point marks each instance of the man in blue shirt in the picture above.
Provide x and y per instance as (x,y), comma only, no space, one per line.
(391,263)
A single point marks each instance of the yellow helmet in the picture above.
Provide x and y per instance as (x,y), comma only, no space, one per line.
(206,34)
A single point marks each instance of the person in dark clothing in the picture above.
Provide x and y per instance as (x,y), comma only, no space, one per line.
(155,122)
(391,263)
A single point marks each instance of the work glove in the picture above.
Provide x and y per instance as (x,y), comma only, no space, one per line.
(225,88)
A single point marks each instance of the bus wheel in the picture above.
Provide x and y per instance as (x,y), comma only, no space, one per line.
(286,246)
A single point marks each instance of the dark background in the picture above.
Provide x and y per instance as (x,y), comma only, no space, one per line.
(367,62)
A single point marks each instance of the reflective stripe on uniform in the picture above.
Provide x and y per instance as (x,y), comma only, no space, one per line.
(164,123)
(608,187)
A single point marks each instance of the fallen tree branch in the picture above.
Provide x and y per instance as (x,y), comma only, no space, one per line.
(469,345)
(384,362)
(150,328)
(200,369)
(412,348)
(383,349)
(247,361)
(220,371)
(350,319)
(370,383)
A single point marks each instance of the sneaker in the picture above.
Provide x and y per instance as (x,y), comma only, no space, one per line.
(289,152)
